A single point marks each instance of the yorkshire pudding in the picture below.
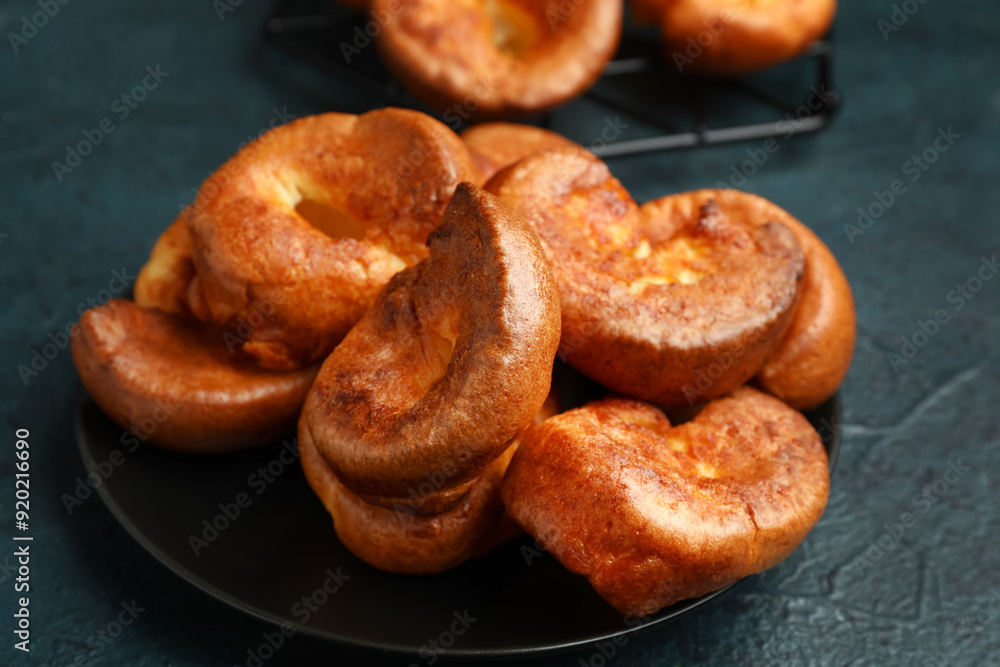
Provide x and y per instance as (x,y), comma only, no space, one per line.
(399,539)
(163,281)
(497,58)
(450,364)
(732,37)
(307,223)
(671,303)
(815,353)
(496,145)
(651,514)
(173,380)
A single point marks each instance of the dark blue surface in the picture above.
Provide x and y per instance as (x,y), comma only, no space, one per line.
(919,598)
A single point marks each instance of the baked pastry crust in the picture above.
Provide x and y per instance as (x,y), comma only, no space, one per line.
(401,539)
(164,280)
(145,366)
(494,146)
(733,37)
(815,353)
(492,59)
(652,514)
(677,302)
(450,364)
(384,177)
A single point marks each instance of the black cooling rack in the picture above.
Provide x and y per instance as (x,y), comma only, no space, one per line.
(664,109)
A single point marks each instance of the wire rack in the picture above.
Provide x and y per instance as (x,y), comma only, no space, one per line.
(665,109)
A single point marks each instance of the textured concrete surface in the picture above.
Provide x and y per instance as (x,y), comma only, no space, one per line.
(860,591)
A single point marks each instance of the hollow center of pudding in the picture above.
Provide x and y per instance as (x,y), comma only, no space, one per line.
(409,369)
(515,29)
(679,261)
(333,221)
(438,349)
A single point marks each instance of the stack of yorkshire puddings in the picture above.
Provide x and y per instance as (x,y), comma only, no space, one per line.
(402,292)
(494,59)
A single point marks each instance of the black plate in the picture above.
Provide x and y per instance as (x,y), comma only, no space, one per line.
(280,547)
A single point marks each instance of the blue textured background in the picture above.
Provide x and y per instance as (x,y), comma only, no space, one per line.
(919,598)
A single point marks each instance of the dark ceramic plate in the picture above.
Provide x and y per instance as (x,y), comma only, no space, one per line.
(281,548)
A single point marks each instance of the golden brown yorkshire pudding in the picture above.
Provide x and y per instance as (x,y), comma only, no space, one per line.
(450,364)
(815,353)
(484,59)
(651,514)
(164,280)
(175,381)
(399,539)
(673,303)
(731,37)
(306,224)
(496,145)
